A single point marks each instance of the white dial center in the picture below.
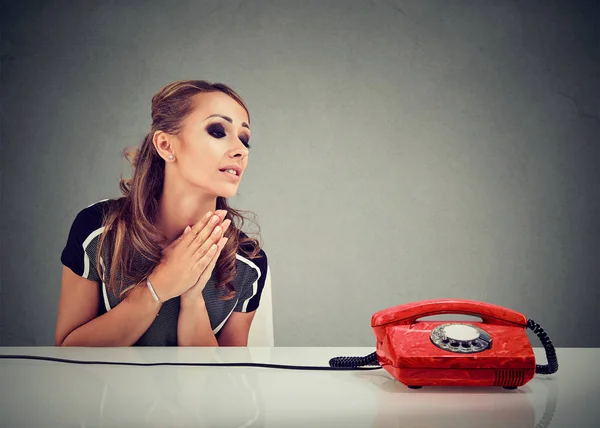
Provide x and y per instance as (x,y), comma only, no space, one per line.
(460,332)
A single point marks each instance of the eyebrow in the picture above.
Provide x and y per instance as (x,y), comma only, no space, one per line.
(228,119)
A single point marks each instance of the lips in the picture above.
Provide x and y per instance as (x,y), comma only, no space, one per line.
(232,173)
(233,170)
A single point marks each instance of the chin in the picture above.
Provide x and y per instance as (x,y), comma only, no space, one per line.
(227,193)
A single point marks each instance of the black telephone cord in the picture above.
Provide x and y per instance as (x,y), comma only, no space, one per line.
(346,362)
(552,365)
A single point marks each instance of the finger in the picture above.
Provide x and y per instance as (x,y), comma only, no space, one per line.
(202,262)
(225,226)
(201,248)
(183,234)
(177,240)
(205,276)
(200,227)
(197,227)
(218,237)
(222,214)
(220,246)
(210,223)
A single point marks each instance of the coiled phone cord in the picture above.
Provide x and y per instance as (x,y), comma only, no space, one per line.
(552,365)
(546,369)
(347,362)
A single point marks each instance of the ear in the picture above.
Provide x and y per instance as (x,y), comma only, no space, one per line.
(164,145)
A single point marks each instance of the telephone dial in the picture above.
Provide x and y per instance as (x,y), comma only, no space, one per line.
(493,352)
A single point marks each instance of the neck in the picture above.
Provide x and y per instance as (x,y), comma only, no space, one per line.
(181,206)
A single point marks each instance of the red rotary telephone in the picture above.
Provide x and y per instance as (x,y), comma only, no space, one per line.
(494,352)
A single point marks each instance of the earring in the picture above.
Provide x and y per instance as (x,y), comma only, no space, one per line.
(171,157)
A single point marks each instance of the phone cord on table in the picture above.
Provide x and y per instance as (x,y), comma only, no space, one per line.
(552,365)
(546,369)
(347,362)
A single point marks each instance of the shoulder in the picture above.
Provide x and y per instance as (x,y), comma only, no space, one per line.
(88,222)
(83,237)
(259,261)
(251,268)
(252,275)
(91,217)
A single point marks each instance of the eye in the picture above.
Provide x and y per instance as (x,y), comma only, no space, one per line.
(245,141)
(216,130)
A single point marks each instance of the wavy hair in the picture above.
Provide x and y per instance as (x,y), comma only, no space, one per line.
(130,240)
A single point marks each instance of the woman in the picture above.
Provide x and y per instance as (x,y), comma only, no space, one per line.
(166,264)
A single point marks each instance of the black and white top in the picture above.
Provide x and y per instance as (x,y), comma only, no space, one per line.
(79,255)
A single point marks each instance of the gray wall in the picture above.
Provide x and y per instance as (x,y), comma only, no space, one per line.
(402,150)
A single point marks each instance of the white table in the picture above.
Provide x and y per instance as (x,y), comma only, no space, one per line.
(51,394)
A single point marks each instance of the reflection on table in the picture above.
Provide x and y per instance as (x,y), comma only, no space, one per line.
(49,394)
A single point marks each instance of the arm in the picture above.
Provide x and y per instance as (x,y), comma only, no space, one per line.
(236,329)
(193,325)
(193,328)
(79,325)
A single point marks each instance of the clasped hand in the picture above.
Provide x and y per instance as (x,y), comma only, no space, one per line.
(187,263)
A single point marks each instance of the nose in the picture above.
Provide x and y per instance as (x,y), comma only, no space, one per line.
(239,151)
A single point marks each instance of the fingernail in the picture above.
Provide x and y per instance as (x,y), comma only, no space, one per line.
(214,219)
(187,229)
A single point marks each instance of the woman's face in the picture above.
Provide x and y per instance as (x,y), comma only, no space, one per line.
(212,149)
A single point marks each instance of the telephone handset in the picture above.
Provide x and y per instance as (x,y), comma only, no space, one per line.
(493,352)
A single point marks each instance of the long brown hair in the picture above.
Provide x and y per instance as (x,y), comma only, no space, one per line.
(129,229)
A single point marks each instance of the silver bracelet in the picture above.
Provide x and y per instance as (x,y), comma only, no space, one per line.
(154,295)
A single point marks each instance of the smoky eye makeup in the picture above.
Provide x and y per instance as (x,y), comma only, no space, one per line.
(245,140)
(216,130)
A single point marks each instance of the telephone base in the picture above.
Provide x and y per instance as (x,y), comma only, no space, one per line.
(419,387)
(431,376)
